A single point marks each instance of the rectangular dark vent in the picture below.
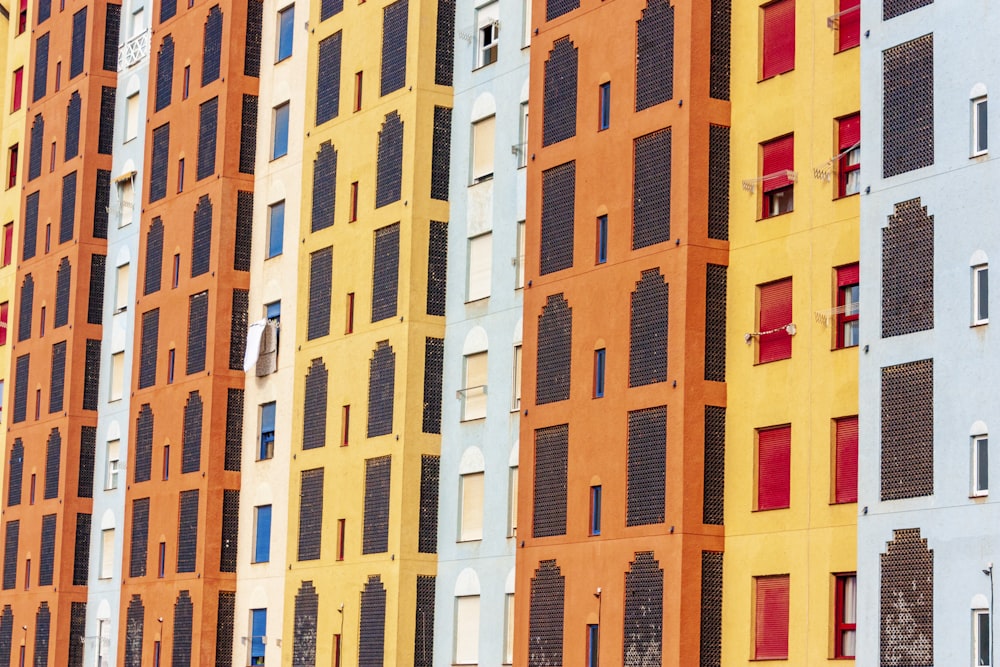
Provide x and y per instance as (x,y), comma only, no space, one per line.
(715,465)
(77,633)
(154,257)
(324,196)
(106,129)
(648,330)
(444,50)
(906,573)
(43,625)
(441,154)
(47,552)
(244,230)
(908,106)
(320,293)
(167,10)
(545,618)
(16,473)
(389,160)
(67,214)
(230,529)
(30,225)
(255,24)
(187,531)
(710,649)
(394,26)
(385,274)
(328,8)
(654,56)
(95,300)
(147,348)
(225,624)
(248,131)
(437,267)
(328,78)
(558,211)
(64,279)
(41,63)
(378,473)
(112,24)
(556,8)
(430,479)
(21,388)
(314,406)
(371,643)
(53,459)
(234,429)
(197,332)
(159,157)
(44,11)
(102,203)
(908,270)
(559,103)
(183,628)
(139,539)
(208,128)
(88,452)
(907,430)
(643,606)
(310,515)
(549,486)
(647,466)
(893,8)
(718,182)
(81,551)
(35,155)
(136,616)
(71,147)
(12,530)
(304,626)
(651,189)
(164,73)
(6,634)
(381,389)
(555,338)
(57,377)
(433,379)
(718,77)
(194,411)
(78,46)
(423,643)
(143,444)
(211,53)
(238,328)
(715,322)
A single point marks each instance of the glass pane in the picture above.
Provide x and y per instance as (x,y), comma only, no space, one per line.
(982,464)
(983,638)
(850,600)
(983,287)
(287,21)
(981,127)
(847,642)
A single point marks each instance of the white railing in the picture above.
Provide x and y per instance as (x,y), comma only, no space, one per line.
(134,50)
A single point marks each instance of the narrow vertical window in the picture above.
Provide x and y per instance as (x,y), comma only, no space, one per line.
(515,403)
(980,465)
(599,362)
(18,92)
(359,78)
(602,239)
(286,31)
(848,24)
(845,631)
(345,426)
(982,655)
(8,243)
(778,51)
(849,155)
(980,294)
(848,292)
(771,618)
(336,645)
(349,325)
(777,181)
(265,448)
(980,138)
(187,81)
(595,510)
(180,175)
(176,271)
(480,267)
(341,530)
(12,163)
(846,463)
(471,527)
(522,142)
(604,106)
(773,321)
(774,467)
(166,462)
(161,570)
(474,390)
(114,459)
(354,203)
(117,376)
(512,504)
(262,534)
(488,22)
(275,229)
(279,135)
(4,321)
(521,241)
(483,140)
(171,357)
(593,645)
(22,17)
(258,635)
(131,117)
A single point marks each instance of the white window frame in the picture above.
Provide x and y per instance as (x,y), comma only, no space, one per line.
(113,472)
(979,300)
(480,267)
(474,389)
(512,503)
(116,390)
(107,570)
(522,137)
(508,629)
(977,617)
(470,523)
(980,446)
(483,161)
(515,395)
(519,260)
(131,117)
(467,621)
(487,34)
(980,132)
(121,288)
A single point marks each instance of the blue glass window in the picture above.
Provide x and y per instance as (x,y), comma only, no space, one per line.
(262,536)
(258,630)
(286,22)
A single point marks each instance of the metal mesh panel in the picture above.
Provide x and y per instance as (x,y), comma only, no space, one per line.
(908,430)
(212,50)
(44,10)
(651,189)
(53,458)
(92,374)
(187,531)
(41,65)
(197,332)
(35,158)
(154,257)
(238,328)
(95,300)
(328,78)
(26,307)
(21,388)
(106,128)
(433,379)
(643,612)
(908,106)
(191,436)
(381,389)
(67,213)
(12,532)
(234,429)
(164,73)
(6,634)
(72,147)
(389,169)
(47,551)
(559,105)
(324,196)
(718,80)
(647,466)
(555,338)
(444,51)
(647,361)
(225,623)
(314,406)
(654,55)
(385,273)
(112,24)
(135,621)
(243,230)
(255,25)
(556,8)
(30,224)
(908,270)
(378,473)
(102,203)
(139,538)
(64,277)
(907,601)
(248,131)
(545,620)
(718,182)
(208,128)
(328,8)
(78,47)
(143,444)
(549,490)
(711,609)
(57,377)
(183,628)
(310,514)
(147,348)
(159,157)
(715,465)
(558,210)
(320,292)
(16,474)
(230,530)
(893,8)
(167,9)
(437,268)
(394,25)
(43,620)
(304,631)
(423,643)
(430,477)
(371,646)
(441,154)
(88,451)
(715,322)
(81,552)
(77,632)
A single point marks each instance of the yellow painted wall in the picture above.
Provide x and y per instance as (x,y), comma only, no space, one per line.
(346,356)
(813,539)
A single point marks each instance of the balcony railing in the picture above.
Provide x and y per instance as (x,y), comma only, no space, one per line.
(134,50)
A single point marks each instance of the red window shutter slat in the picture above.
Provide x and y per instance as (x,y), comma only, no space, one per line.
(778,157)
(771,618)
(848,275)
(774,447)
(849,31)
(847,460)
(8,243)
(779,38)
(775,312)
(3,322)
(850,131)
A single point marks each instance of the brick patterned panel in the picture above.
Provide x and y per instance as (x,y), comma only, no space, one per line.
(43,621)
(304,630)
(654,55)
(643,612)
(72,142)
(57,377)
(908,430)
(647,361)
(908,270)
(212,50)
(559,105)
(243,230)
(248,130)
(64,278)
(106,129)
(715,322)
(225,622)
(433,379)
(78,46)
(102,202)
(26,308)
(255,25)
(230,530)
(139,539)
(35,150)
(908,106)
(197,332)
(711,609)
(328,78)
(715,466)
(556,8)
(440,154)
(77,632)
(893,8)
(378,475)
(164,73)
(95,300)
(154,257)
(385,273)
(381,389)
(371,644)
(238,328)
(53,461)
(21,388)
(718,182)
(647,466)
(158,162)
(92,374)
(41,65)
(430,479)
(183,628)
(6,634)
(545,620)
(81,552)
(315,406)
(12,531)
(167,9)
(30,225)
(16,474)
(134,624)
(906,630)
(44,11)
(143,444)
(651,189)
(437,268)
(67,214)
(112,24)
(555,337)
(310,514)
(187,531)
(208,129)
(320,293)
(558,210)
(47,551)
(423,644)
(718,80)
(324,198)
(234,429)
(549,489)
(88,451)
(389,167)
(444,51)
(328,8)
(191,437)
(394,25)
(147,348)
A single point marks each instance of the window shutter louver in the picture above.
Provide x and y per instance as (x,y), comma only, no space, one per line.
(778,157)
(79,43)
(112,25)
(850,131)
(847,460)
(41,65)
(775,313)
(848,275)
(779,38)
(849,25)
(771,622)
(164,73)
(774,467)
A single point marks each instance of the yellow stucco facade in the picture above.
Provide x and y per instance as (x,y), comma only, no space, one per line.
(814,538)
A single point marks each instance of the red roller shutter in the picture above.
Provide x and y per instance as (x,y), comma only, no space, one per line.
(775,312)
(849,30)
(778,157)
(846,490)
(849,129)
(774,448)
(848,275)
(779,38)
(771,618)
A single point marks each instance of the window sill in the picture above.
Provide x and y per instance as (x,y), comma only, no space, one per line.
(844,347)
(836,503)
(847,195)
(768,78)
(477,180)
(778,215)
(975,495)
(282,59)
(771,509)
(483,66)
(979,323)
(469,539)
(469,420)
(838,52)
(478,299)
(979,154)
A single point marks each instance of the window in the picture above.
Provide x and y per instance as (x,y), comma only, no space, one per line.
(336,642)
(849,151)
(353,217)
(593,645)
(846,453)
(279,135)
(359,80)
(480,267)
(121,288)
(262,534)
(522,145)
(980,294)
(265,450)
(508,630)
(773,467)
(980,139)
(22,17)
(847,306)
(474,390)
(12,163)
(472,507)
(846,616)
(286,27)
(138,21)
(117,376)
(275,229)
(774,318)
(8,243)
(4,323)
(258,635)
(171,358)
(166,462)
(114,464)
(161,564)
(512,503)
(778,51)
(341,536)
(519,273)
(175,279)
(18,92)
(107,553)
(980,465)
(52,157)
(602,239)
(187,81)
(599,362)
(180,175)
(515,403)
(483,132)
(771,618)
(981,653)
(345,426)
(604,106)
(58,75)
(848,24)
(488,20)
(131,117)
(595,510)
(349,324)
(467,630)
(777,182)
